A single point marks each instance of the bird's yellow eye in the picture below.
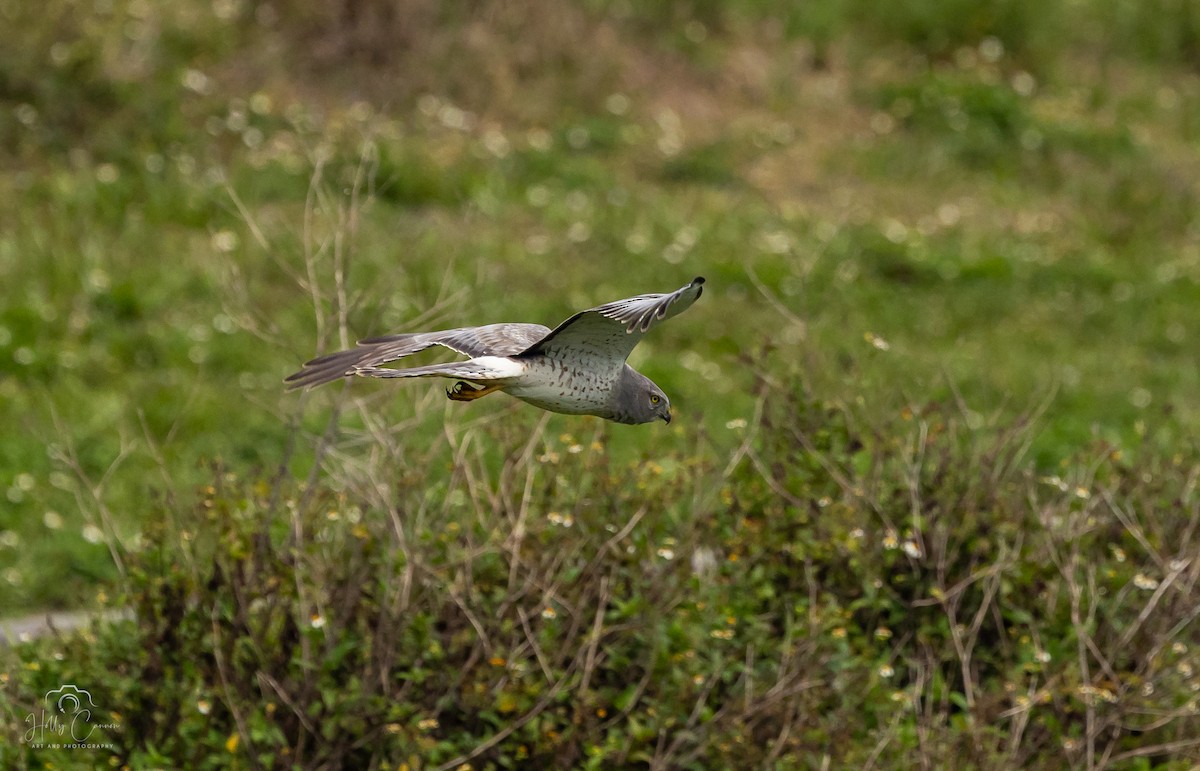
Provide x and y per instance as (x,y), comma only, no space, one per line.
(654,399)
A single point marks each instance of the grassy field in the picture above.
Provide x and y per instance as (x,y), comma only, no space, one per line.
(929,496)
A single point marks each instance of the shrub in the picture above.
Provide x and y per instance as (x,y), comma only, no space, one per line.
(507,600)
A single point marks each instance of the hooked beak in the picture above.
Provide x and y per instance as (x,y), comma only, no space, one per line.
(666,416)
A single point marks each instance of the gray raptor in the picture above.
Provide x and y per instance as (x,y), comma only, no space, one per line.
(578,368)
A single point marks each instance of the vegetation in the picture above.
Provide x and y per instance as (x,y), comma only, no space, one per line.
(929,499)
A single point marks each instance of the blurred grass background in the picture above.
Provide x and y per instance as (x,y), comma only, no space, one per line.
(1002,194)
(985,204)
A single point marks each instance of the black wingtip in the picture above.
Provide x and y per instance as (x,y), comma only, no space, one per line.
(302,380)
(698,281)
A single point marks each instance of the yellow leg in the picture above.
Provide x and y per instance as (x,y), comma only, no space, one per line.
(469,392)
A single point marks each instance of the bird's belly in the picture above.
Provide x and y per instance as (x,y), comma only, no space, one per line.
(565,389)
(561,400)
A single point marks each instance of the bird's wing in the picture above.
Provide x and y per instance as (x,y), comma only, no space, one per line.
(612,330)
(490,340)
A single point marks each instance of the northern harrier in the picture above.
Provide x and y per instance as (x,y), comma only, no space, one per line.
(578,368)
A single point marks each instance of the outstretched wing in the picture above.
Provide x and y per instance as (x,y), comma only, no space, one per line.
(611,331)
(490,340)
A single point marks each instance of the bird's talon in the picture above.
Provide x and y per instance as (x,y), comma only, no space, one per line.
(463,391)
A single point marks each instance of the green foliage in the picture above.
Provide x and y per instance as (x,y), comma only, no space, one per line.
(843,583)
(709,164)
(1029,30)
(1159,30)
(982,125)
(971,119)
(102,81)
(410,179)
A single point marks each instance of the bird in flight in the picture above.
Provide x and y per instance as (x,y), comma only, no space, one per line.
(578,368)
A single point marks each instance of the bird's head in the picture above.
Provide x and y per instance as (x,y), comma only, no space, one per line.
(659,405)
(639,400)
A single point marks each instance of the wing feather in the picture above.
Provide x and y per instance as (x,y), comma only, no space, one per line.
(489,340)
(614,329)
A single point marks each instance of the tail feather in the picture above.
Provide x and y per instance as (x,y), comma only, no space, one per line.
(460,370)
(334,366)
(492,340)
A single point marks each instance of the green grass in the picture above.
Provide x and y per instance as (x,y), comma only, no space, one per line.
(918,232)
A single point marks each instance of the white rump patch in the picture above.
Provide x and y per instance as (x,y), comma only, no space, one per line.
(499,366)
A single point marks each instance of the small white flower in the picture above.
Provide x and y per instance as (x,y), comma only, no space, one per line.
(579,232)
(1056,481)
(877,341)
(539,139)
(1143,581)
(617,104)
(196,81)
(776,242)
(704,561)
(260,103)
(495,142)
(1024,83)
(107,173)
(224,241)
